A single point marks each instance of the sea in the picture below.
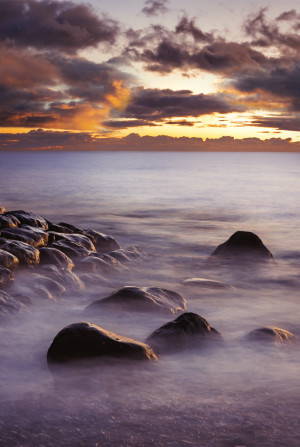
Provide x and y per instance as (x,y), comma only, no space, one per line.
(177,207)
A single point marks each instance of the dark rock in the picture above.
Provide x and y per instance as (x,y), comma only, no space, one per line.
(71,228)
(84,340)
(6,278)
(2,209)
(60,229)
(143,299)
(129,254)
(9,305)
(71,249)
(26,234)
(50,255)
(242,245)
(187,331)
(102,242)
(44,287)
(8,260)
(92,264)
(63,276)
(78,239)
(28,218)
(26,254)
(8,222)
(207,283)
(271,334)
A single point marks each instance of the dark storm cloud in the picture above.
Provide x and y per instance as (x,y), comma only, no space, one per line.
(48,24)
(157,105)
(154,7)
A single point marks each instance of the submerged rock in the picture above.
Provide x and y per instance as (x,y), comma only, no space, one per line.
(143,299)
(84,340)
(8,222)
(187,331)
(8,260)
(128,254)
(31,236)
(270,334)
(45,287)
(207,283)
(102,242)
(50,255)
(9,305)
(242,246)
(6,278)
(27,218)
(27,255)
(63,276)
(93,264)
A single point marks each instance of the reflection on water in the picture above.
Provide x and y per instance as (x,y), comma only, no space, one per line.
(178,208)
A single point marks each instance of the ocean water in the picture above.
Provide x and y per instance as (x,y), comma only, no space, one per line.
(177,207)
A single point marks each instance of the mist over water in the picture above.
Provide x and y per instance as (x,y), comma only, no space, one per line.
(177,207)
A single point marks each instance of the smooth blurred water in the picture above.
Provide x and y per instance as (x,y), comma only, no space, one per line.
(178,207)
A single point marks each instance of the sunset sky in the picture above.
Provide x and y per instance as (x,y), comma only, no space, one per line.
(102,74)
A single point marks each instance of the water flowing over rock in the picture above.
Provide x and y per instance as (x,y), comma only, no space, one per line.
(102,242)
(242,246)
(63,276)
(26,234)
(270,334)
(8,260)
(128,254)
(207,283)
(6,278)
(27,255)
(92,264)
(9,305)
(28,218)
(50,255)
(187,331)
(84,340)
(143,299)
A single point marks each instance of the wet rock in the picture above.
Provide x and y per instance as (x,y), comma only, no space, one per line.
(8,222)
(9,305)
(270,334)
(71,249)
(142,299)
(2,209)
(27,255)
(78,239)
(242,246)
(44,287)
(92,264)
(207,284)
(102,242)
(187,331)
(6,278)
(27,218)
(50,255)
(71,228)
(8,260)
(26,234)
(68,279)
(84,340)
(128,255)
(94,279)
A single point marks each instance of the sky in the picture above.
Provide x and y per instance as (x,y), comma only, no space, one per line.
(155,74)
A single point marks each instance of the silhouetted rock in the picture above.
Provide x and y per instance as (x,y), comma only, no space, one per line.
(142,299)
(84,340)
(207,283)
(6,278)
(8,260)
(102,242)
(242,245)
(27,218)
(128,254)
(26,254)
(50,255)
(187,331)
(9,305)
(63,276)
(270,334)
(26,234)
(8,222)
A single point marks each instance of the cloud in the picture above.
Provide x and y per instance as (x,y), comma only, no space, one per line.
(290,123)
(157,105)
(154,7)
(187,26)
(70,141)
(51,24)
